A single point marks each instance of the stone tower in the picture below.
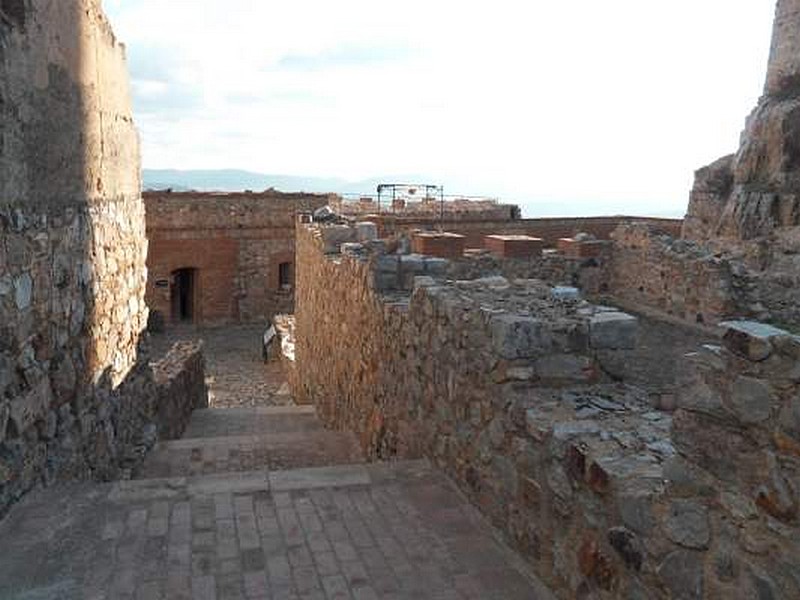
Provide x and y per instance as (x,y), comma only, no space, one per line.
(72,247)
(757,191)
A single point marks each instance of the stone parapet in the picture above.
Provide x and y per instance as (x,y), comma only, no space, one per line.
(181,386)
(502,384)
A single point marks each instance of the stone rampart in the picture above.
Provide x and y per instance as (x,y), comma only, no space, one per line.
(680,278)
(74,380)
(503,385)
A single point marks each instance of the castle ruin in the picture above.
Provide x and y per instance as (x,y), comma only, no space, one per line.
(481,406)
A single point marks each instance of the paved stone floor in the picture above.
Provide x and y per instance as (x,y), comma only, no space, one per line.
(257,503)
(237,374)
(376,531)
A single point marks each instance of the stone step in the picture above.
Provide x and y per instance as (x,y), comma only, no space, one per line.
(231,454)
(252,421)
(246,482)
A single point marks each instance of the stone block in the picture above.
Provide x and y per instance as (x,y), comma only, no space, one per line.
(516,336)
(565,368)
(687,524)
(353,249)
(565,293)
(388,263)
(442,245)
(514,246)
(424,281)
(412,263)
(386,281)
(436,266)
(751,339)
(750,400)
(366,231)
(23,291)
(613,331)
(31,406)
(333,236)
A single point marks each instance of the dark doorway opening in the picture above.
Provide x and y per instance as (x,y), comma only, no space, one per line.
(182,294)
(285,276)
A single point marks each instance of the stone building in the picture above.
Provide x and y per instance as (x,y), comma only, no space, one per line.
(221,258)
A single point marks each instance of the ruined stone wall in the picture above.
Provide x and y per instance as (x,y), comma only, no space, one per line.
(180,381)
(737,473)
(548,229)
(236,244)
(74,389)
(676,277)
(582,476)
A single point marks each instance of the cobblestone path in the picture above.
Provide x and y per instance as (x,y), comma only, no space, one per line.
(258,503)
(237,375)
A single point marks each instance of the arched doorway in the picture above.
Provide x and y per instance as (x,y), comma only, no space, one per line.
(182,294)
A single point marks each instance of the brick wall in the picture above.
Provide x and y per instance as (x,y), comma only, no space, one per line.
(234,242)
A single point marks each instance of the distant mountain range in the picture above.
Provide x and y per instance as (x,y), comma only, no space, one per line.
(233,180)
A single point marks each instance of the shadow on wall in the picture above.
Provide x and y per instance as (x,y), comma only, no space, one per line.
(77,397)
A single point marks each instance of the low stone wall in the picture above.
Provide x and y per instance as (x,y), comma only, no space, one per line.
(677,277)
(181,386)
(475,227)
(581,474)
(107,430)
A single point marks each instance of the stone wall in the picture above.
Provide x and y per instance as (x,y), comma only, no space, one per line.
(507,387)
(476,228)
(234,242)
(73,379)
(676,277)
(181,385)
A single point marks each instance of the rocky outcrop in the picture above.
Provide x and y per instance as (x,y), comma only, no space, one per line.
(758,190)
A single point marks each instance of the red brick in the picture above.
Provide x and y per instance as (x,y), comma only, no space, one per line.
(441,245)
(514,246)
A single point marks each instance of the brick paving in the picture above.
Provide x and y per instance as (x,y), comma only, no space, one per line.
(258,504)
(359,532)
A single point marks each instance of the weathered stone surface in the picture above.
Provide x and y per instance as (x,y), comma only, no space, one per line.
(27,408)
(682,574)
(519,337)
(23,291)
(613,331)
(687,524)
(628,545)
(750,339)
(366,231)
(751,400)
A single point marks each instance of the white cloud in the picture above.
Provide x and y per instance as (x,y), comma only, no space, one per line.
(614,102)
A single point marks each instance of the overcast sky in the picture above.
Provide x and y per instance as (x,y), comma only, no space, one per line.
(571,107)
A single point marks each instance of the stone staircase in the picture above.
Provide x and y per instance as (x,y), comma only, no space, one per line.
(237,440)
(256,504)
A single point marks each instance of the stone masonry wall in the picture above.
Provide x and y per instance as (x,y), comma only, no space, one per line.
(581,474)
(74,386)
(677,277)
(236,244)
(548,229)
